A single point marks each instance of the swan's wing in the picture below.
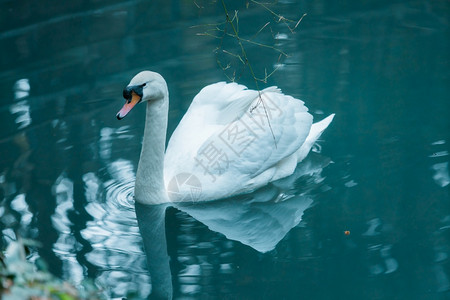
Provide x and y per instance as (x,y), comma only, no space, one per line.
(221,103)
(271,129)
(233,139)
(213,107)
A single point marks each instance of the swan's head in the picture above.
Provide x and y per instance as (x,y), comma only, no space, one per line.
(145,86)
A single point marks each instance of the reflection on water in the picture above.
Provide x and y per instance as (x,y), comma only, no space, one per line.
(259,220)
(440,163)
(21,108)
(113,234)
(67,168)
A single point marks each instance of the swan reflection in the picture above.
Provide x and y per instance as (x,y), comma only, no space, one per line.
(259,220)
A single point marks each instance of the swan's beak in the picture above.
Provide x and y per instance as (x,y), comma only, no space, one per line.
(129,104)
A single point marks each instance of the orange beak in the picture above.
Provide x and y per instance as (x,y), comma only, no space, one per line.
(129,104)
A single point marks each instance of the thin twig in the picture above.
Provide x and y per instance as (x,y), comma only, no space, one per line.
(280,17)
(259,44)
(301,18)
(247,62)
(262,28)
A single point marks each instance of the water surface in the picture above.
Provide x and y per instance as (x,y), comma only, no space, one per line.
(380,171)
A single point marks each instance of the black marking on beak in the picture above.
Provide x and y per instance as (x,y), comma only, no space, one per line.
(127,93)
(137,89)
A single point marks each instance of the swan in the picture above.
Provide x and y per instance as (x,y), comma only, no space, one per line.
(231,141)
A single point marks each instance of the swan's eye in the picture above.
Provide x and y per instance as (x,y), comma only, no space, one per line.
(144,84)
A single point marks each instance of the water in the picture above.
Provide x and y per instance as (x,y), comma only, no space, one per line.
(380,172)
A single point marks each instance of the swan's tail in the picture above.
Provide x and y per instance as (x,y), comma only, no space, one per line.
(314,134)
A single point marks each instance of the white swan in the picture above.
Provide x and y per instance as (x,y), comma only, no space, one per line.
(230,141)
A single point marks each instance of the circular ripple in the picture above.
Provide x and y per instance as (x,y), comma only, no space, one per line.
(120,189)
(120,195)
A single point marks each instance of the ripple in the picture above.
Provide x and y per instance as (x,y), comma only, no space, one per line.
(441,174)
(120,195)
(439,154)
(113,232)
(117,204)
(440,163)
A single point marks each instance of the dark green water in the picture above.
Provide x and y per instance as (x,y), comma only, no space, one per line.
(67,166)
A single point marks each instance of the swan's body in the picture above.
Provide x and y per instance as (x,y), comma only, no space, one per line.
(230,141)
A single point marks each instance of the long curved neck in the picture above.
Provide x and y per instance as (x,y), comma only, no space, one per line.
(149,187)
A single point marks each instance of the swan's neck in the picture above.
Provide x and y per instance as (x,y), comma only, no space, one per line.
(149,187)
